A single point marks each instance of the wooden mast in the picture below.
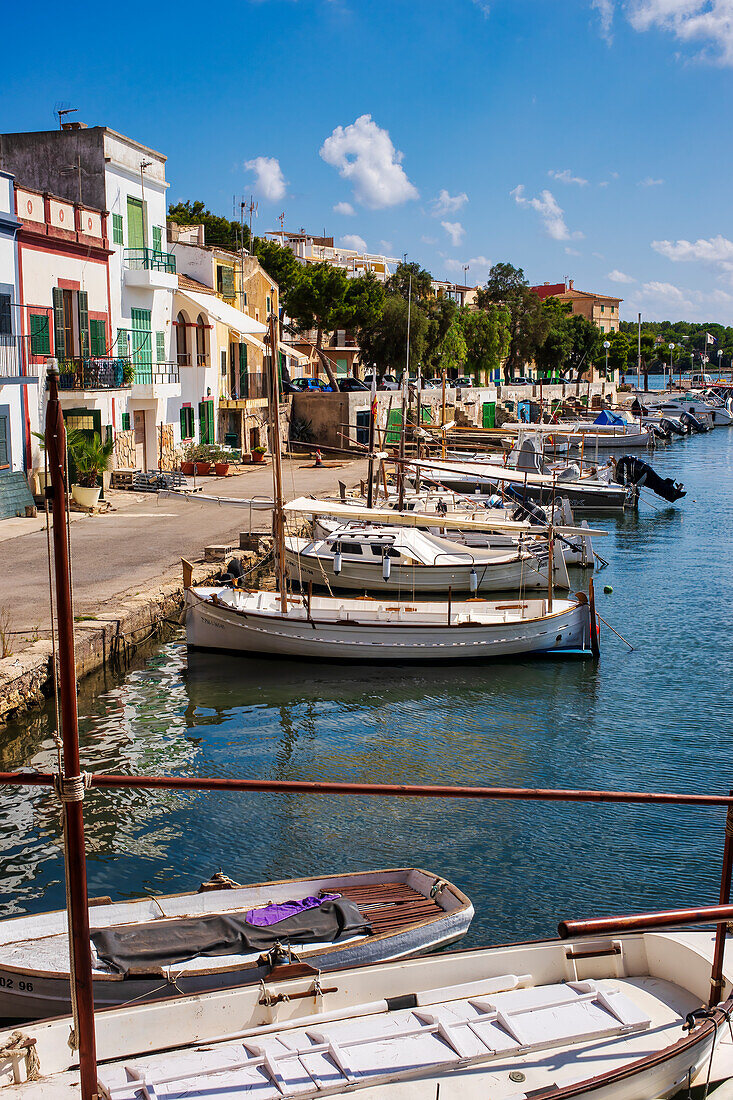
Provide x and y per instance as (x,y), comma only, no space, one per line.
(278,515)
(71,784)
(372,426)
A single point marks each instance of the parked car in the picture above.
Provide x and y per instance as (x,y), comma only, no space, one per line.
(352,385)
(463,382)
(389,382)
(520,380)
(305,384)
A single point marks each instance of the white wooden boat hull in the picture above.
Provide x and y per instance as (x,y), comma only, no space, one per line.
(582,494)
(352,630)
(28,992)
(600,1019)
(508,576)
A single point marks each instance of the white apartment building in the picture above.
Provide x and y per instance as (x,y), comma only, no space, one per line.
(315,250)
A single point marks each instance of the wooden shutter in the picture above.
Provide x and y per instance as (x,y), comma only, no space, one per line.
(117,235)
(59,340)
(6,326)
(211,431)
(40,335)
(157,238)
(135,223)
(4,459)
(243,376)
(160,347)
(394,426)
(97,338)
(184,424)
(83,307)
(227,282)
(125,422)
(202,422)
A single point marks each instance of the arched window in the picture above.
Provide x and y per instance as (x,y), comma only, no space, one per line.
(201,341)
(183,357)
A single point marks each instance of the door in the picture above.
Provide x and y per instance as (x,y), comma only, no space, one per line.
(87,422)
(139,427)
(135,223)
(394,426)
(69,322)
(489,414)
(362,427)
(142,345)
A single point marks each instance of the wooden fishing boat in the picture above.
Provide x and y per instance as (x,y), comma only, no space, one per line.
(341,629)
(376,558)
(165,946)
(606,1018)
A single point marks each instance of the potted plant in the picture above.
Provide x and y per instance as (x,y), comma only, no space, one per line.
(203,463)
(258,453)
(73,436)
(92,458)
(189,458)
(221,463)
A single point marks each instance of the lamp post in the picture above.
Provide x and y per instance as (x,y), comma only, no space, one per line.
(671,353)
(606,345)
(720,360)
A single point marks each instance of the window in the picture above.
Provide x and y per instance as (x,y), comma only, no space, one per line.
(4,440)
(223,364)
(125,422)
(182,342)
(269,305)
(135,223)
(160,347)
(186,422)
(225,281)
(603,309)
(40,334)
(6,326)
(122,348)
(350,547)
(142,345)
(97,337)
(206,422)
(117,234)
(245,299)
(157,238)
(201,342)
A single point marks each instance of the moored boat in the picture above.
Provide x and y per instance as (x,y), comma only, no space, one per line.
(217,938)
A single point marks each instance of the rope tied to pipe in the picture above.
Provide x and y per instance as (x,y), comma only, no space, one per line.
(71,788)
(19,1043)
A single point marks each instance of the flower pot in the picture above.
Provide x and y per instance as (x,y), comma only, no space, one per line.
(203,468)
(187,468)
(87,496)
(42,480)
(257,456)
(221,468)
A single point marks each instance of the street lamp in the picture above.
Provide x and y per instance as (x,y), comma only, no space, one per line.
(720,360)
(671,352)
(606,345)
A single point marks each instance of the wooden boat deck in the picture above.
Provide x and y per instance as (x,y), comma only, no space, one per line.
(390,906)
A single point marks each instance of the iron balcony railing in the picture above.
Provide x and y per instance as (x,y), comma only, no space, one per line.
(150,259)
(156,374)
(97,372)
(16,357)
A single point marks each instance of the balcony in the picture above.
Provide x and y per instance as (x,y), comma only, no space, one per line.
(149,269)
(95,373)
(18,363)
(150,377)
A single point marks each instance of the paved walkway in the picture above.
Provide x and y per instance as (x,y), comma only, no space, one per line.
(142,539)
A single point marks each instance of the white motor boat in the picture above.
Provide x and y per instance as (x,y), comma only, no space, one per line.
(378,558)
(227,935)
(603,1018)
(339,629)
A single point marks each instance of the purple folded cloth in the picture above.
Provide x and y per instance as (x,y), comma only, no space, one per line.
(273,914)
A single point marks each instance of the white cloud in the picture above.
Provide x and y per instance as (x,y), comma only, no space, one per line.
(483,5)
(716,251)
(708,23)
(571,251)
(566,176)
(550,211)
(344,208)
(477,264)
(428,240)
(271,183)
(354,242)
(455,231)
(649,181)
(447,203)
(364,154)
(617,276)
(667,295)
(387,246)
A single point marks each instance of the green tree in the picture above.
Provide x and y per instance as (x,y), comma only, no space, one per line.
(528,325)
(407,275)
(557,346)
(281,265)
(383,342)
(218,231)
(365,297)
(452,352)
(618,353)
(486,334)
(586,343)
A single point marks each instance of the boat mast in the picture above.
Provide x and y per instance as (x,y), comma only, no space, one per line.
(405,403)
(372,426)
(278,515)
(71,783)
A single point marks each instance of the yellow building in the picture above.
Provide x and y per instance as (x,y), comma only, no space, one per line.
(601,309)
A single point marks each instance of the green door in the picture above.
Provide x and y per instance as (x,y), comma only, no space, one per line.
(135,223)
(394,428)
(489,414)
(243,377)
(87,422)
(342,367)
(142,345)
(426,414)
(206,422)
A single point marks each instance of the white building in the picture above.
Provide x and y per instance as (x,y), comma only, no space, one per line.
(98,170)
(18,387)
(316,250)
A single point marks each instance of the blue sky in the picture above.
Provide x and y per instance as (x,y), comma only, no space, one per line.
(589,139)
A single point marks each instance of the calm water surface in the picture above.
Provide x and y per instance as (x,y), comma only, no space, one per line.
(655,718)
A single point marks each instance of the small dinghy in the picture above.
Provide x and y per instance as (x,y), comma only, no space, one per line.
(609,1017)
(228,935)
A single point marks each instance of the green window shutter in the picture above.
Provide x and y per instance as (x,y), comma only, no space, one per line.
(342,366)
(394,426)
(40,334)
(6,325)
(184,424)
(226,282)
(160,347)
(83,304)
(97,338)
(243,376)
(4,458)
(117,234)
(59,340)
(202,422)
(125,422)
(135,223)
(121,347)
(268,305)
(157,238)
(211,432)
(142,345)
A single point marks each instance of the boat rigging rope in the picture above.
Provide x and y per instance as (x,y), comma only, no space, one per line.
(17,1043)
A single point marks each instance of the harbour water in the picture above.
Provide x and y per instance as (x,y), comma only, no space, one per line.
(659,717)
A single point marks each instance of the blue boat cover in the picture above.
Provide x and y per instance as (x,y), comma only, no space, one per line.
(607,417)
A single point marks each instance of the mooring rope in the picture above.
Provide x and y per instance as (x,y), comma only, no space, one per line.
(17,1043)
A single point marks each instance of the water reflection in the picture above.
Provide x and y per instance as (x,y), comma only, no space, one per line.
(656,717)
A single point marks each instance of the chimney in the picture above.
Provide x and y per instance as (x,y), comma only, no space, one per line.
(570,284)
(73,125)
(546,283)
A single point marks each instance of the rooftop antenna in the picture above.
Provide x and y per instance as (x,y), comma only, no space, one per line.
(65,111)
(281,219)
(143,165)
(252,208)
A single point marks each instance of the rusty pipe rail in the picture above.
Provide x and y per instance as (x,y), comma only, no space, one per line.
(641,922)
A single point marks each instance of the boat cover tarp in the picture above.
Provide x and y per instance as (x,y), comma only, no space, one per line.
(607,417)
(141,948)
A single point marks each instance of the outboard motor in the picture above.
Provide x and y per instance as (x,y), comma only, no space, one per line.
(631,470)
(233,574)
(671,427)
(692,421)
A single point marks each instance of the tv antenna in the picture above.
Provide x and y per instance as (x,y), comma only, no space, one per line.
(281,219)
(62,110)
